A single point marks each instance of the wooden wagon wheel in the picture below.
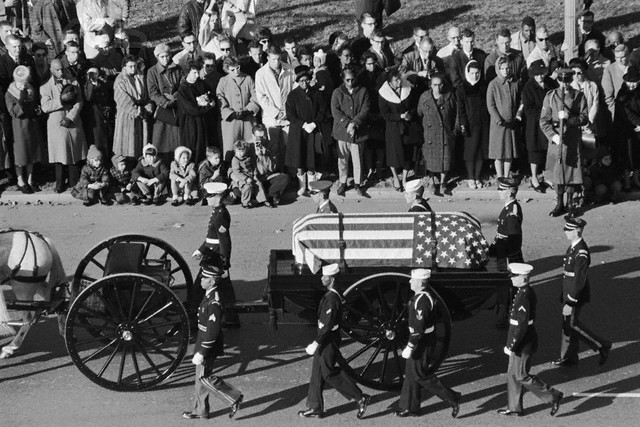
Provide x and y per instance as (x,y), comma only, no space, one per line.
(127,332)
(92,266)
(374,317)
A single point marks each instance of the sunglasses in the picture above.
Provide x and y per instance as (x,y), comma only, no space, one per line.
(189,42)
(541,39)
(225,49)
(349,80)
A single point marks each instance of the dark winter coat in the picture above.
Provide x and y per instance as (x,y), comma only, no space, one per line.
(197,128)
(151,170)
(532,97)
(347,108)
(474,116)
(190,15)
(438,123)
(161,81)
(372,81)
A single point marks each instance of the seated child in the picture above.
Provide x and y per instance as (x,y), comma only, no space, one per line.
(271,182)
(182,175)
(120,179)
(242,174)
(606,178)
(211,169)
(149,177)
(94,180)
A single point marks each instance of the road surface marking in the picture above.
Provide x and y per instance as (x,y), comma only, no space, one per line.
(606,394)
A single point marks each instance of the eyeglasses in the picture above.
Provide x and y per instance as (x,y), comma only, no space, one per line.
(225,49)
(306,80)
(578,73)
(191,42)
(349,80)
(541,39)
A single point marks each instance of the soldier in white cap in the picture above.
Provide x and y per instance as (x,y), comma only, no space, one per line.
(413,191)
(325,350)
(215,251)
(522,343)
(422,339)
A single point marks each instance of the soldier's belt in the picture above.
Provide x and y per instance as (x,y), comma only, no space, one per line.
(569,273)
(429,329)
(516,323)
(212,241)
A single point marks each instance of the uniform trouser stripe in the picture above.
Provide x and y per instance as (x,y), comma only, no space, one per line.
(572,332)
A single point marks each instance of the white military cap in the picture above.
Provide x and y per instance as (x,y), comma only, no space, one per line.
(420,273)
(520,269)
(215,187)
(330,270)
(413,185)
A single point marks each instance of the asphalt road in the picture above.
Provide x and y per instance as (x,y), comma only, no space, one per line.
(41,386)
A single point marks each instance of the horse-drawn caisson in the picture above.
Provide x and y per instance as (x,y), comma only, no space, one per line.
(126,329)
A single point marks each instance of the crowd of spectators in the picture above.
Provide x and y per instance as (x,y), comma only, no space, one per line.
(116,120)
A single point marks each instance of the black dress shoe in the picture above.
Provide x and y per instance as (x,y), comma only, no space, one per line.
(187,415)
(89,202)
(455,407)
(341,190)
(556,404)
(235,406)
(25,189)
(35,187)
(362,405)
(509,413)
(604,353)
(565,361)
(310,413)
(405,413)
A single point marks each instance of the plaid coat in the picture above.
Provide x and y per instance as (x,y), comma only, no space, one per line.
(49,22)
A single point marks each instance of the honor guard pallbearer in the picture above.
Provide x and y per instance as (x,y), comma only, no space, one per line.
(413,191)
(319,191)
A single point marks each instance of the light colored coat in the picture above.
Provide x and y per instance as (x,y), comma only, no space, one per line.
(93,15)
(128,137)
(503,100)
(66,145)
(272,97)
(611,83)
(234,96)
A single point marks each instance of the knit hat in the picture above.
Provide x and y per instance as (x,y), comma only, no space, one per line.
(161,48)
(94,153)
(302,71)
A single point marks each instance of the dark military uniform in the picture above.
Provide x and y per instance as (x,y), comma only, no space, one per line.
(420,205)
(575,292)
(422,338)
(326,207)
(209,343)
(522,341)
(324,369)
(509,234)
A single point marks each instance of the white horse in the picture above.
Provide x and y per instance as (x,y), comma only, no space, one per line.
(31,265)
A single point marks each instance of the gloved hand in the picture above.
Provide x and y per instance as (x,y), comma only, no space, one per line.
(507,351)
(567,310)
(556,139)
(197,255)
(406,353)
(233,116)
(562,115)
(197,359)
(311,348)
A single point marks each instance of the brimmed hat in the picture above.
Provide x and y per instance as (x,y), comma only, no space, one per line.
(94,153)
(413,186)
(210,271)
(632,75)
(302,71)
(330,270)
(420,273)
(522,270)
(318,186)
(507,183)
(213,188)
(573,223)
(538,68)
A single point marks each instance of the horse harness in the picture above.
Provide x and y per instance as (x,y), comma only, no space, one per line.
(34,278)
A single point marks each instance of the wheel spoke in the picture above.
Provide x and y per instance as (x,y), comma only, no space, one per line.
(383,370)
(164,254)
(363,349)
(122,360)
(160,310)
(98,351)
(108,361)
(136,367)
(92,313)
(89,341)
(133,300)
(144,305)
(395,299)
(399,317)
(158,349)
(366,300)
(100,266)
(384,308)
(146,356)
(371,359)
(146,250)
(175,270)
(161,336)
(107,304)
(160,325)
(88,278)
(116,291)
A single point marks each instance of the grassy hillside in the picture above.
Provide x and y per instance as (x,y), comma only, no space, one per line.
(311,21)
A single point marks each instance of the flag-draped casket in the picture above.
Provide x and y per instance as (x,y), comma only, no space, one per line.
(415,240)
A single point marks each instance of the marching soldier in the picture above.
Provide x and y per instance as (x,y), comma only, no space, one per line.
(319,191)
(418,352)
(326,350)
(209,344)
(522,343)
(413,191)
(508,242)
(215,251)
(575,294)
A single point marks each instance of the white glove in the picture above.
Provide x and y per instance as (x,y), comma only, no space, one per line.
(562,115)
(311,348)
(197,255)
(507,351)
(406,353)
(556,139)
(567,310)
(197,359)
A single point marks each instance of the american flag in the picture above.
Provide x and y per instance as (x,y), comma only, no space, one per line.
(416,240)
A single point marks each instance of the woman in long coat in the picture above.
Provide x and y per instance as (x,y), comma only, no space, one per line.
(398,102)
(564,163)
(309,128)
(474,121)
(627,125)
(163,80)
(195,113)
(532,97)
(132,106)
(438,111)
(372,77)
(236,94)
(22,102)
(503,101)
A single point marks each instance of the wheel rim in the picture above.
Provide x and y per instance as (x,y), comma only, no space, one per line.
(127,332)
(374,319)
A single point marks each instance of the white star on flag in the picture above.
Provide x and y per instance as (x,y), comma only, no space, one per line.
(421,223)
(460,255)
(452,248)
(420,234)
(420,247)
(445,228)
(419,260)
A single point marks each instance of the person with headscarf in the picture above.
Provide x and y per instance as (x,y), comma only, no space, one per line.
(596,125)
(239,107)
(372,77)
(503,101)
(532,97)
(132,107)
(627,124)
(22,101)
(473,117)
(163,80)
(323,81)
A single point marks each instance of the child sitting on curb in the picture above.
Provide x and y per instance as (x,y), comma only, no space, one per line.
(243,171)
(120,179)
(94,179)
(211,169)
(149,177)
(182,175)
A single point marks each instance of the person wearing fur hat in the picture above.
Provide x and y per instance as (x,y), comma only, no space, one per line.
(182,175)
(149,177)
(325,350)
(94,180)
